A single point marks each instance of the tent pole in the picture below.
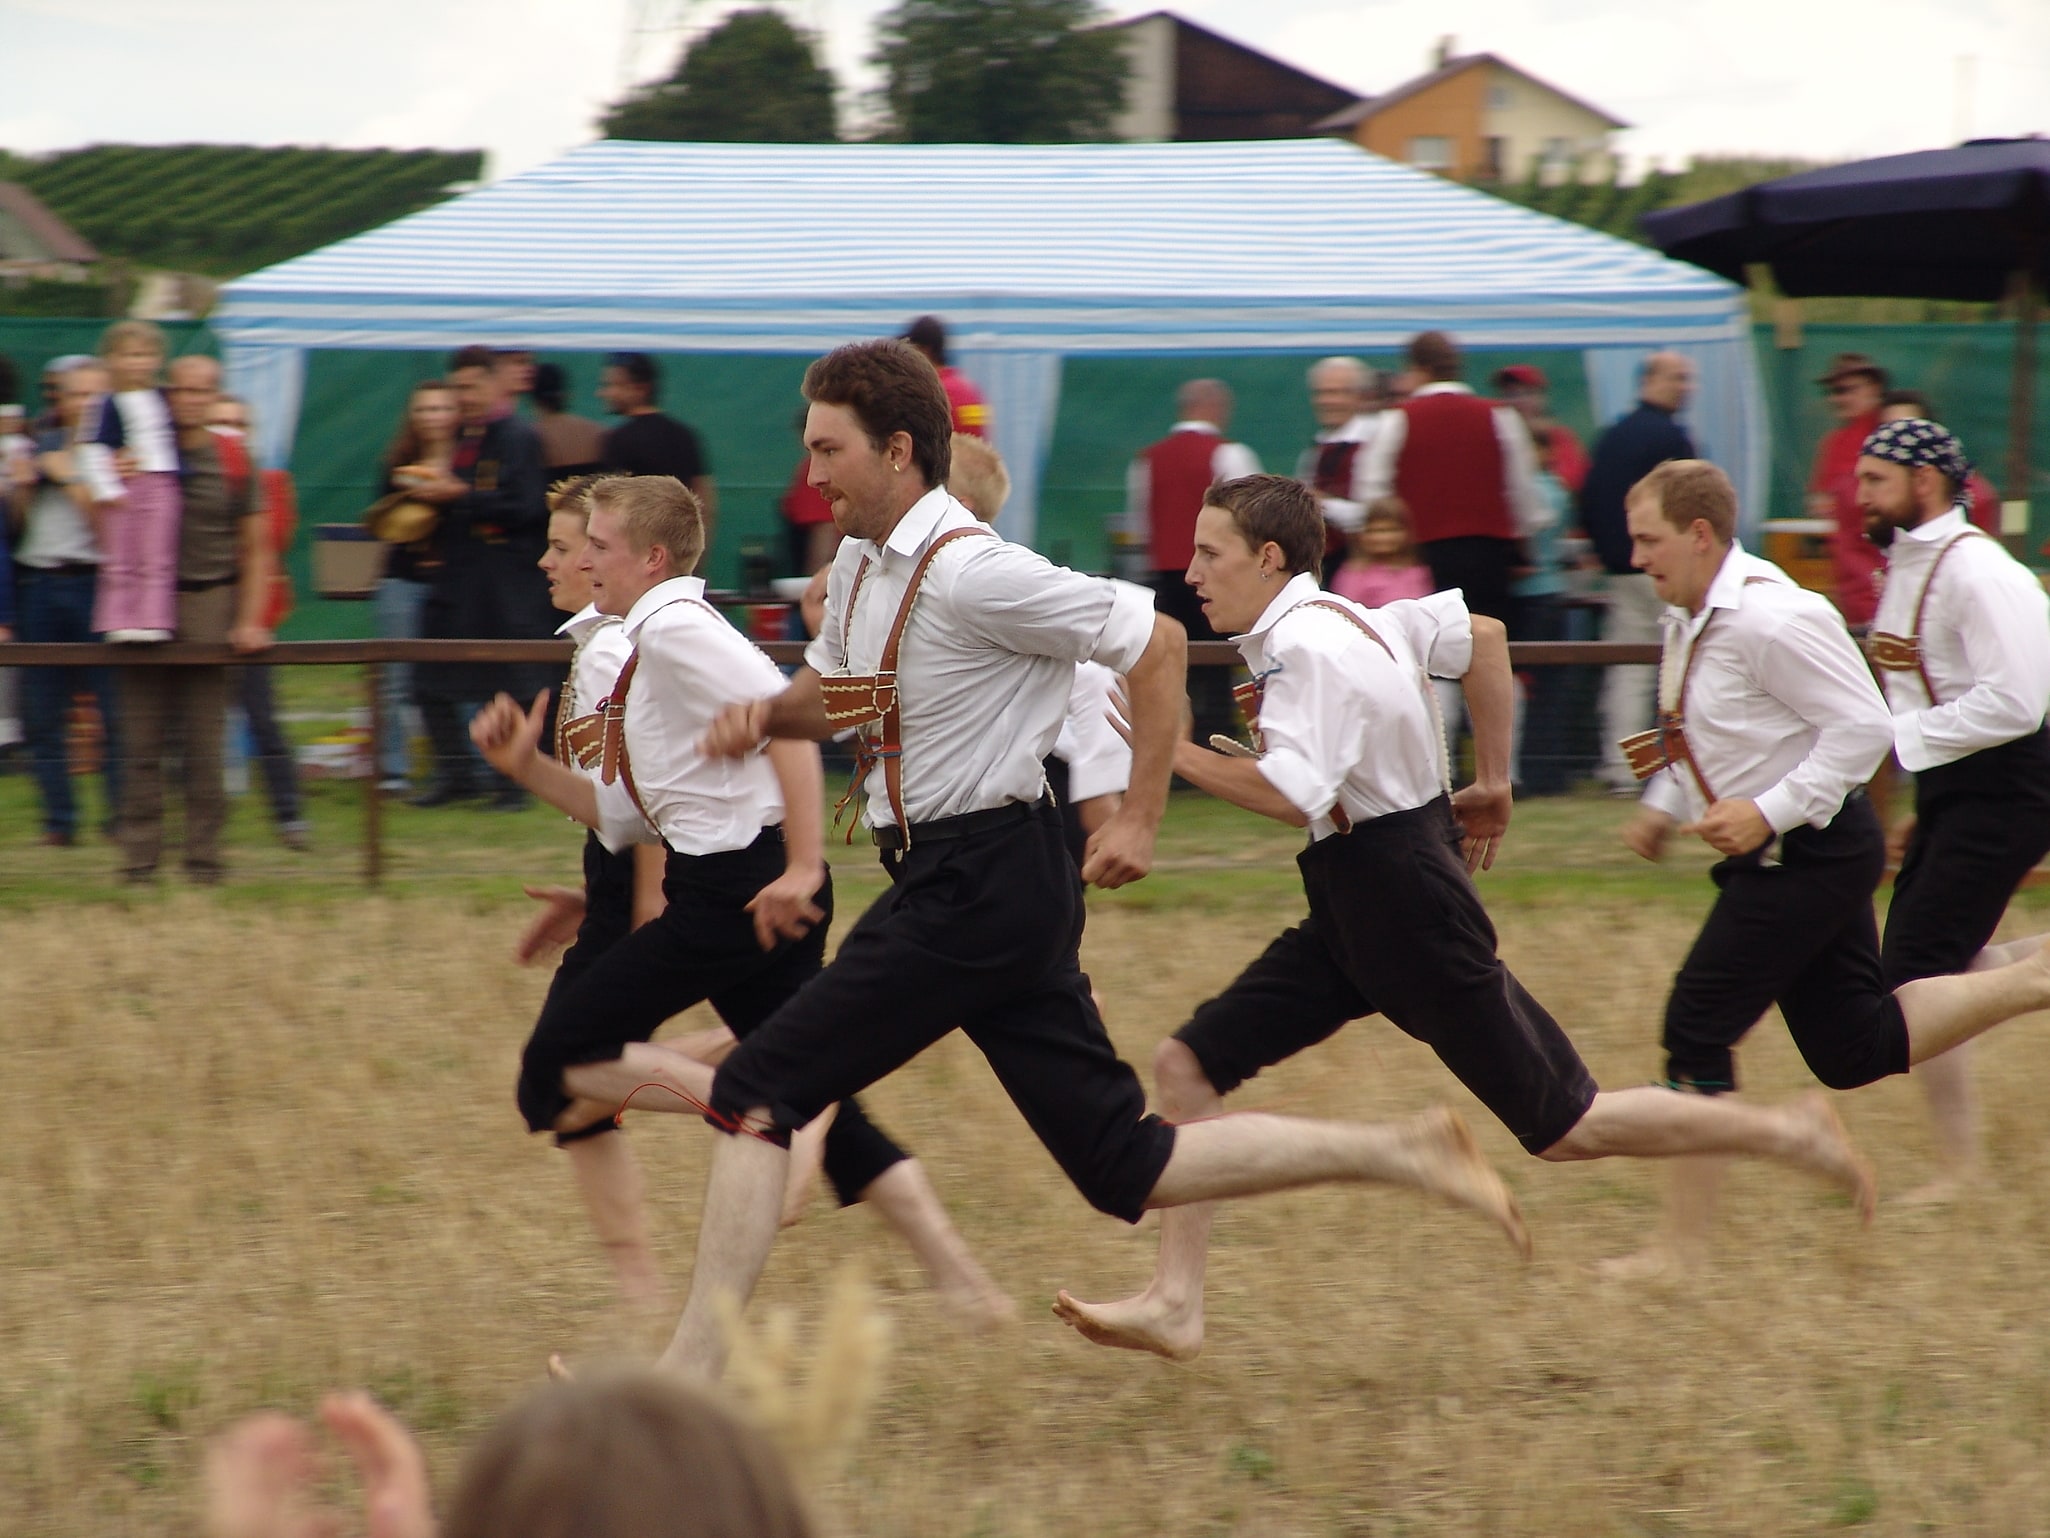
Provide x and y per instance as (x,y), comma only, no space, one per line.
(2027,297)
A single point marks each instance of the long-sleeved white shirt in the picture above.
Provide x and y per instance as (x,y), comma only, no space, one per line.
(1099,760)
(986,662)
(1985,643)
(602,650)
(1348,512)
(693,665)
(1780,708)
(1343,721)
(1527,505)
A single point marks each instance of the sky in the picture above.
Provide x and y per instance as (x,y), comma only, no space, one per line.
(526,79)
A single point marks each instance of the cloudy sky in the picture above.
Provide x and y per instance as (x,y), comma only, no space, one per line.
(525,79)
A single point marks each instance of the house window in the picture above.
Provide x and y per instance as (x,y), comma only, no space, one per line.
(1431,152)
(1494,157)
(1498,98)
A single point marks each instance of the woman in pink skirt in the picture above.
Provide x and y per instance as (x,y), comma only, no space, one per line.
(130,461)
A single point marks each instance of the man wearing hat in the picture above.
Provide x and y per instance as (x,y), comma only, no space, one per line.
(1853,385)
(928,334)
(1961,642)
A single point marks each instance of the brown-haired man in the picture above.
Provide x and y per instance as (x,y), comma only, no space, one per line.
(981,926)
(1350,749)
(1769,727)
(747,894)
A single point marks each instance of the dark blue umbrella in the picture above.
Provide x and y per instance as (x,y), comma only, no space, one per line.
(1965,223)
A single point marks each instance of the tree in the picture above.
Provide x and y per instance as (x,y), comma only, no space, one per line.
(753,79)
(999,71)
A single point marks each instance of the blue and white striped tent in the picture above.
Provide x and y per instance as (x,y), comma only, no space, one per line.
(1031,253)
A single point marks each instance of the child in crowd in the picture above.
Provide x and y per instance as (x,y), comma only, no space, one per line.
(130,462)
(1381,565)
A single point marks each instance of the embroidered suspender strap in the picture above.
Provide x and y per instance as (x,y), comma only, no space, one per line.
(870,702)
(579,739)
(1897,654)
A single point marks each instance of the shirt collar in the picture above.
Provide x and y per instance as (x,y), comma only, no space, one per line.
(1931,530)
(1300,588)
(922,521)
(1198,427)
(658,595)
(1442,387)
(583,622)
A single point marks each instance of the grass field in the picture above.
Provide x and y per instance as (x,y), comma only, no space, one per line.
(262,1145)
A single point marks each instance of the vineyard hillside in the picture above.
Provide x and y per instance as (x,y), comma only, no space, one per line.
(223,209)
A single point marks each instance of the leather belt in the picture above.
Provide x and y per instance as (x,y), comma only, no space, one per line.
(890,838)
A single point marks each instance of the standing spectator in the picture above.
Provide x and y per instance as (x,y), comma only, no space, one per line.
(131,462)
(570,445)
(1853,385)
(1345,398)
(516,372)
(1163,493)
(650,443)
(807,515)
(1523,386)
(1624,455)
(17,464)
(1466,469)
(1547,764)
(57,562)
(230,417)
(928,334)
(224,584)
(1982,502)
(493,528)
(421,452)
(1381,564)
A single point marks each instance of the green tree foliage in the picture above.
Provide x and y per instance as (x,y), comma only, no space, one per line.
(999,71)
(223,209)
(753,79)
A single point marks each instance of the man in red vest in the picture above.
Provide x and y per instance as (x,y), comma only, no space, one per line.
(1853,385)
(1345,398)
(1163,493)
(1468,471)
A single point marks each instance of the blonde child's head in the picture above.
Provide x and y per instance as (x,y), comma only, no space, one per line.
(1384,539)
(134,351)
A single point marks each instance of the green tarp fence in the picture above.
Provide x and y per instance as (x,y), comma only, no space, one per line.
(744,407)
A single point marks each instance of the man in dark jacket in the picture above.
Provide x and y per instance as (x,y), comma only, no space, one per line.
(1629,451)
(494,526)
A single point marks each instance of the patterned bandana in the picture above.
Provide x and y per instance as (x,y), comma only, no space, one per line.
(1918,441)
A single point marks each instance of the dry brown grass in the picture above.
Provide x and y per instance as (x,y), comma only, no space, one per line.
(256,1153)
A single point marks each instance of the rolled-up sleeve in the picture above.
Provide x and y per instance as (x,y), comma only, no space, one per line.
(1015,598)
(1439,630)
(1313,733)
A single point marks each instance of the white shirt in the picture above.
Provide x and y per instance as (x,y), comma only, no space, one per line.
(1228,461)
(1348,512)
(1099,760)
(1985,644)
(987,661)
(1780,707)
(1344,721)
(1527,505)
(602,650)
(693,665)
(147,434)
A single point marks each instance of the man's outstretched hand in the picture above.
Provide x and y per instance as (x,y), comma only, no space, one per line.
(736,731)
(509,737)
(1482,812)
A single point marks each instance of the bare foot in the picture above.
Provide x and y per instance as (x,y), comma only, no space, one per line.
(1940,1192)
(1658,1262)
(558,1369)
(1144,1323)
(975,1302)
(1827,1149)
(1450,1165)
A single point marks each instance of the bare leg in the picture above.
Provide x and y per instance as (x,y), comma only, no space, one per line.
(904,1199)
(1651,1123)
(610,1179)
(807,1159)
(1692,1187)
(1954,1118)
(1167,1318)
(1942,1012)
(743,1201)
(683,1084)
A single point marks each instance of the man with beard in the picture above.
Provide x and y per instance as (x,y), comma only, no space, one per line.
(1961,641)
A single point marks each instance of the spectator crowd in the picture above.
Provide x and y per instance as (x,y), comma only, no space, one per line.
(136,513)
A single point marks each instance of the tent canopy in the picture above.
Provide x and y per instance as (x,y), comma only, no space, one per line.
(1029,252)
